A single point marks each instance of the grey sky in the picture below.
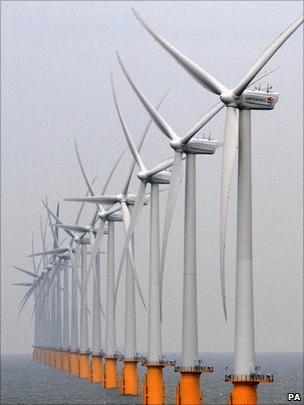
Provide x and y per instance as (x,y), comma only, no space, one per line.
(56,62)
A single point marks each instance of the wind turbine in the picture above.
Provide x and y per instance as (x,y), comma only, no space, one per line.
(78,233)
(54,287)
(110,379)
(153,388)
(237,141)
(125,201)
(110,373)
(110,322)
(73,366)
(188,390)
(129,377)
(37,356)
(41,310)
(68,362)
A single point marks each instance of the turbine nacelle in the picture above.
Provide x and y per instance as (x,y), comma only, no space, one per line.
(254,99)
(64,256)
(201,146)
(84,241)
(116,217)
(95,230)
(130,199)
(162,177)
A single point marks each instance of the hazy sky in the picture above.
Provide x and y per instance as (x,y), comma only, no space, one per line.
(56,61)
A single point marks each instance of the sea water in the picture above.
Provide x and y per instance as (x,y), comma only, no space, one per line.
(26,382)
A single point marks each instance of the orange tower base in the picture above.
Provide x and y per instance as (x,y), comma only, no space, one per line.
(66,361)
(84,365)
(53,358)
(188,390)
(244,391)
(58,361)
(74,363)
(96,375)
(110,373)
(153,389)
(44,356)
(48,357)
(129,382)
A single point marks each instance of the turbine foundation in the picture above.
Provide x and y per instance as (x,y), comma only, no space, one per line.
(45,356)
(84,365)
(96,369)
(154,389)
(110,373)
(188,390)
(66,361)
(74,363)
(244,391)
(58,359)
(48,357)
(129,382)
(52,358)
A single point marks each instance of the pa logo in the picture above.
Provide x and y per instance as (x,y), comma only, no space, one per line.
(294,396)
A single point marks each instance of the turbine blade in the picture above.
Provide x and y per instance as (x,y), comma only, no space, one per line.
(155,115)
(55,241)
(97,199)
(34,263)
(134,218)
(26,271)
(112,171)
(23,284)
(203,121)
(82,169)
(43,237)
(27,296)
(135,150)
(50,252)
(76,228)
(175,180)
(75,260)
(51,280)
(199,74)
(56,229)
(231,141)
(82,205)
(266,55)
(262,75)
(56,219)
(113,209)
(106,185)
(102,311)
(165,164)
(95,248)
(128,137)
(126,222)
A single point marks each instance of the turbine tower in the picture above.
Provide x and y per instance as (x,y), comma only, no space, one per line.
(125,201)
(188,390)
(154,391)
(109,372)
(237,136)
